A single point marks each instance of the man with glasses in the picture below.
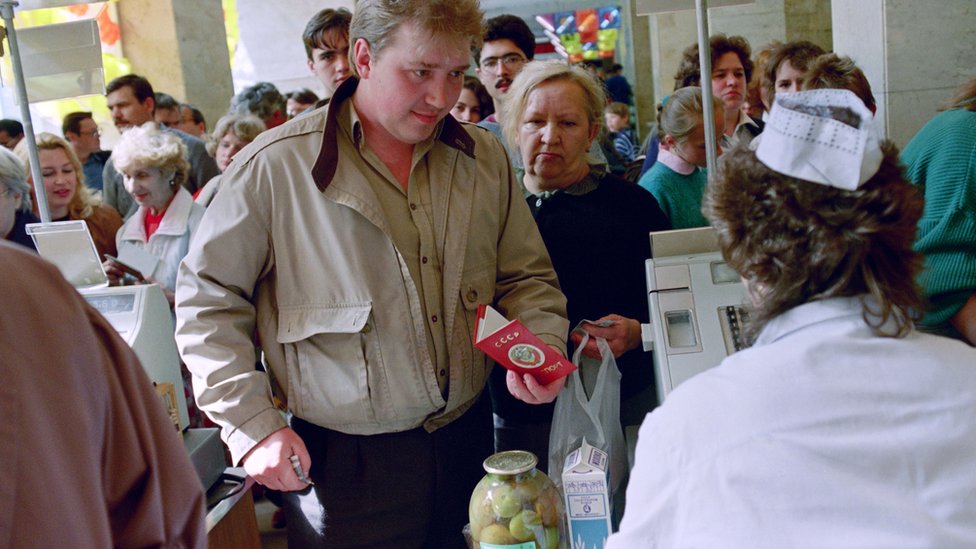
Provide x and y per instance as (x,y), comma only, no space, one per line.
(508,45)
(80,129)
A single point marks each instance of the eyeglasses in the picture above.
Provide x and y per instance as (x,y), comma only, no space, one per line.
(93,133)
(511,61)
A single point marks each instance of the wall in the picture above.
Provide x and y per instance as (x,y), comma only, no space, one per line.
(759,22)
(913,53)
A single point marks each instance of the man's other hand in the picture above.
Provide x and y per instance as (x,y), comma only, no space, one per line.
(268,462)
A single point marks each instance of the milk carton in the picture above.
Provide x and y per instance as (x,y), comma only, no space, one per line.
(587,495)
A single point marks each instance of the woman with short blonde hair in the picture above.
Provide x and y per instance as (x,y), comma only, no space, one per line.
(153,167)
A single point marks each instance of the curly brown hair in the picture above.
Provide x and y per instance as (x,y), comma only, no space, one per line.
(832,71)
(689,71)
(799,53)
(794,241)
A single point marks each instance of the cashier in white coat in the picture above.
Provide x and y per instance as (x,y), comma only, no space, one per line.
(842,426)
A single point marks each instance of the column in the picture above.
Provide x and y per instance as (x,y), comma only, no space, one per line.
(181,47)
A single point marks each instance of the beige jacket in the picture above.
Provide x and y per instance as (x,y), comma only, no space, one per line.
(296,246)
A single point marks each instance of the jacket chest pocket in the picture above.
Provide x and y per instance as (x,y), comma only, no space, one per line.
(330,364)
(477,289)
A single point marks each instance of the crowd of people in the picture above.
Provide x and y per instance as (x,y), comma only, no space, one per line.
(326,258)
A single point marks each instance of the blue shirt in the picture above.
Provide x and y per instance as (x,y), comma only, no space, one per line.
(93,167)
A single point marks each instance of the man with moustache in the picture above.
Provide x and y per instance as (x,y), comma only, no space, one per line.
(508,44)
(358,241)
(133,102)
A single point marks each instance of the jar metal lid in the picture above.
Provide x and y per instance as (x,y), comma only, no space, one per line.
(511,462)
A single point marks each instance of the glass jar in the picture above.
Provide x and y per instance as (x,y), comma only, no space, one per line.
(516,506)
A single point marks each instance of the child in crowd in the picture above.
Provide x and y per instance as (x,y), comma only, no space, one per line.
(677,180)
(622,136)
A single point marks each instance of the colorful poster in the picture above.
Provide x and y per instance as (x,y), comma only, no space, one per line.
(587,24)
(610,17)
(565,23)
(607,42)
(587,34)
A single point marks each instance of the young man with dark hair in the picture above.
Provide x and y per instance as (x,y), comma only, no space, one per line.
(11,132)
(80,129)
(326,39)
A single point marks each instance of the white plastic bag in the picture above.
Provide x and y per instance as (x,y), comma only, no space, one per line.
(589,406)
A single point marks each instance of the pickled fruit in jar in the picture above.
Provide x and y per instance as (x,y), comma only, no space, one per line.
(516,506)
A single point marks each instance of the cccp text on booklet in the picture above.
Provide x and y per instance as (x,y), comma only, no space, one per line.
(516,348)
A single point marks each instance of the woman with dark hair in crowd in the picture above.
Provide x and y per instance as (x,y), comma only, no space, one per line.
(841,422)
(474,104)
(731,69)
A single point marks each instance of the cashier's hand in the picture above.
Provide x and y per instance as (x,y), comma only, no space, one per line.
(525,388)
(622,336)
(268,463)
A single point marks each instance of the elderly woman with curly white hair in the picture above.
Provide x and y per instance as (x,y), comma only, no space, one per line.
(154,167)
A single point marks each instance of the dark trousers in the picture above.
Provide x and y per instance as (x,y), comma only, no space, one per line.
(407,489)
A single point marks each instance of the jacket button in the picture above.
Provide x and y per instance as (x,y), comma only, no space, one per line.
(472,295)
(413,206)
(434,318)
(443,372)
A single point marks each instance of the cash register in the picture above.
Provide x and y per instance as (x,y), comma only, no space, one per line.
(695,302)
(141,315)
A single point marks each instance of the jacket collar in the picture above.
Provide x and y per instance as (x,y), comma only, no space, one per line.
(174,221)
(450,132)
(819,311)
(675,162)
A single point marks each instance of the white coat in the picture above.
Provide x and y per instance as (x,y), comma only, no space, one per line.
(821,435)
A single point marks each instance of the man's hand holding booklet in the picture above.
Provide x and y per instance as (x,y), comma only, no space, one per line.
(516,348)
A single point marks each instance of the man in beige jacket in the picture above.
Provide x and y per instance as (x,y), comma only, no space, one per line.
(358,242)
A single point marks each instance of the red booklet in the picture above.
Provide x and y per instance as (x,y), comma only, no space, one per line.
(513,346)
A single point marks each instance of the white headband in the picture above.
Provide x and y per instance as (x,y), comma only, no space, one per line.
(815,147)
